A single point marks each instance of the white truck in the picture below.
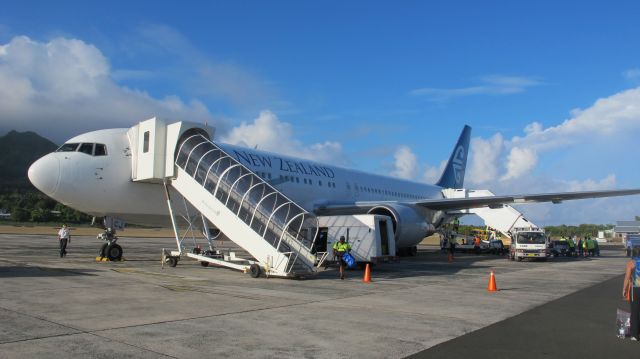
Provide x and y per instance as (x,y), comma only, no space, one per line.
(371,236)
(529,242)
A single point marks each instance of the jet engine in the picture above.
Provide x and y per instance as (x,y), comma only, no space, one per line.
(410,224)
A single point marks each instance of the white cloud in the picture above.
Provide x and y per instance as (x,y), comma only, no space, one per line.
(609,182)
(484,161)
(509,166)
(268,133)
(489,85)
(432,174)
(203,75)
(605,119)
(632,74)
(65,86)
(520,161)
(406,164)
(602,124)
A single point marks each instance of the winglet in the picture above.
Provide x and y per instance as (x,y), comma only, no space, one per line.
(453,175)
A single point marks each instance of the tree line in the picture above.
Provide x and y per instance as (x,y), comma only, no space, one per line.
(27,205)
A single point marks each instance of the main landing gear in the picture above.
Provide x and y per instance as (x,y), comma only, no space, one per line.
(109,249)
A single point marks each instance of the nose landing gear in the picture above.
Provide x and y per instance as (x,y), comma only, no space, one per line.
(109,249)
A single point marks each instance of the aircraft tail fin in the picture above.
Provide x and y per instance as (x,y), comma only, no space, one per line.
(453,175)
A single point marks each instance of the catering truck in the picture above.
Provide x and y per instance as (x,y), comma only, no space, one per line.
(529,242)
(371,236)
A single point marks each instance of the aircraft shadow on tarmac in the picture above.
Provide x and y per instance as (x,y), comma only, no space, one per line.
(28,272)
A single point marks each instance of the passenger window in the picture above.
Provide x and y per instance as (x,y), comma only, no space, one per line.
(86,148)
(100,150)
(68,147)
(145,145)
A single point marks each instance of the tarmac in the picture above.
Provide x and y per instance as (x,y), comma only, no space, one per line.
(74,307)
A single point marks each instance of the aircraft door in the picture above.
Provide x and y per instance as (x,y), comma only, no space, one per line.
(321,240)
(384,236)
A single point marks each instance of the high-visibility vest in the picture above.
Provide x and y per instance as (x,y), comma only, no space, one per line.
(590,244)
(571,243)
(341,247)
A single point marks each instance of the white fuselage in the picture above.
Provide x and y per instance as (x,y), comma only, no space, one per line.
(103,186)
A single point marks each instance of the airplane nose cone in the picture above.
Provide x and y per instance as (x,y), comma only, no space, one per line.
(44,174)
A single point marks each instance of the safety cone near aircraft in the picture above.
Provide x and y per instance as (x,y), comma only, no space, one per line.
(367,274)
(492,283)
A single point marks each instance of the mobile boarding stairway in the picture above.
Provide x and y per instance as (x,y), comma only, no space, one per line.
(504,218)
(275,231)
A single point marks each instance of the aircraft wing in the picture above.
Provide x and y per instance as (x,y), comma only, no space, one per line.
(498,201)
(472,202)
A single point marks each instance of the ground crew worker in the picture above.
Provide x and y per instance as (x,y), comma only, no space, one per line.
(591,247)
(572,246)
(452,247)
(585,247)
(63,239)
(476,244)
(579,248)
(631,290)
(339,249)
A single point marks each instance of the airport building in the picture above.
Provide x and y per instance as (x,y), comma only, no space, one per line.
(624,228)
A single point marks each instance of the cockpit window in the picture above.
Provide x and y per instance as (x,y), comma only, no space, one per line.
(92,149)
(100,150)
(68,147)
(86,148)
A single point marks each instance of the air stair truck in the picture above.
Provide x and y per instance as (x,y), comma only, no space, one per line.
(215,188)
(371,236)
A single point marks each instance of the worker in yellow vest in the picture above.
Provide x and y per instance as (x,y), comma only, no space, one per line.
(339,249)
(585,248)
(591,246)
(572,246)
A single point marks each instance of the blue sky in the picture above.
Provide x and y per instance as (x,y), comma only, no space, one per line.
(382,86)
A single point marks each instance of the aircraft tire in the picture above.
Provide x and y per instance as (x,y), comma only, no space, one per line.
(113,252)
(254,270)
(204,264)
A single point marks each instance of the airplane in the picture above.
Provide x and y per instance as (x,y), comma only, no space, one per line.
(92,173)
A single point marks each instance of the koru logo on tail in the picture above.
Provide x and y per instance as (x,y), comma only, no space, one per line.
(458,163)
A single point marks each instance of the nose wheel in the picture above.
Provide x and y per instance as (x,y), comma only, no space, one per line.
(110,249)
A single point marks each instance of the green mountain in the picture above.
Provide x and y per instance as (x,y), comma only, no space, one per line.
(18,150)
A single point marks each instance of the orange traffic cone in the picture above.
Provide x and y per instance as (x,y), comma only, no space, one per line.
(492,283)
(367,274)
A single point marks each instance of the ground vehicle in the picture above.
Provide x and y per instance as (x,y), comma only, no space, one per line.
(632,240)
(496,246)
(559,248)
(528,243)
(371,236)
